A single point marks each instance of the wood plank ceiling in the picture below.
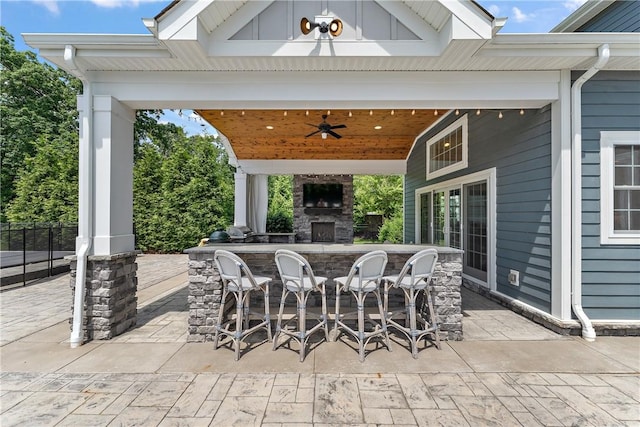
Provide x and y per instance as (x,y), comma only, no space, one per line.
(250,138)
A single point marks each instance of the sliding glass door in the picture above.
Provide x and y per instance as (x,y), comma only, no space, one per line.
(457,216)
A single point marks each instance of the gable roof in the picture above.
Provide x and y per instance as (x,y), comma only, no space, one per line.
(582,15)
(240,62)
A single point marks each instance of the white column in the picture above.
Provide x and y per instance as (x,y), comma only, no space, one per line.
(561,200)
(240,207)
(112,176)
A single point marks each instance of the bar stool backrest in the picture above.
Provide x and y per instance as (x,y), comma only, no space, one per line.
(419,268)
(368,268)
(293,268)
(232,268)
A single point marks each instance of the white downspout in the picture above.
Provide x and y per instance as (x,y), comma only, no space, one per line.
(588,333)
(85,185)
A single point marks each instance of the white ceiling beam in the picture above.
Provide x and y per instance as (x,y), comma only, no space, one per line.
(326,167)
(262,90)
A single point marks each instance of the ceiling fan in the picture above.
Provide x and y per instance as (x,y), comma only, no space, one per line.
(326,129)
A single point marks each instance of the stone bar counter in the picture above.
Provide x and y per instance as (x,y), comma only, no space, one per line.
(329,260)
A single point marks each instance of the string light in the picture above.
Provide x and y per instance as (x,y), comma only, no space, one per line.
(222,113)
(328,112)
(500,115)
(413,112)
(522,112)
(242,112)
(457,112)
(350,115)
(371,112)
(435,112)
(393,112)
(478,112)
(306,113)
(285,113)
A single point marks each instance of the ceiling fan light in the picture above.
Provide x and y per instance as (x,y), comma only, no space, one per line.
(324,135)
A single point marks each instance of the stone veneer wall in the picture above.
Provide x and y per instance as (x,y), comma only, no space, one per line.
(205,288)
(110,304)
(303,217)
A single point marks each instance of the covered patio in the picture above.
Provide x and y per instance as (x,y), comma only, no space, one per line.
(395,69)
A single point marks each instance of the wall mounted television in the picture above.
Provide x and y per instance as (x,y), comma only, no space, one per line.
(322,195)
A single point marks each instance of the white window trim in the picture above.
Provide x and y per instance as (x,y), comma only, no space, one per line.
(490,176)
(461,122)
(608,139)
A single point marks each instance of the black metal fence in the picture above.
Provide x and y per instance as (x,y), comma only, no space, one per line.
(34,250)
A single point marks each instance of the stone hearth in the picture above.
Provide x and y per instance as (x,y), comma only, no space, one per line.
(339,219)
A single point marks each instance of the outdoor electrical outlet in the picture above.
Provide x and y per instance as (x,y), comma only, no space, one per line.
(514,277)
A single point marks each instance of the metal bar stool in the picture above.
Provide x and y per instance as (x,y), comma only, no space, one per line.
(364,278)
(238,280)
(414,278)
(298,279)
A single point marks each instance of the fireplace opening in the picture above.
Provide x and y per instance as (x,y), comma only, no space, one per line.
(323,232)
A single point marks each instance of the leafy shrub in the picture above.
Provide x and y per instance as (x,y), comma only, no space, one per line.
(391,230)
(279,222)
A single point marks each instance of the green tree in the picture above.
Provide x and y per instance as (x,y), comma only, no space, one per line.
(47,187)
(280,212)
(37,105)
(181,196)
(381,194)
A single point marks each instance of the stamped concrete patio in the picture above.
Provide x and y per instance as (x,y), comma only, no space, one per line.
(508,371)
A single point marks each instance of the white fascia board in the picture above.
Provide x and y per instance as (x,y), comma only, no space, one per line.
(179,16)
(473,18)
(329,167)
(409,19)
(561,45)
(239,19)
(91,41)
(263,90)
(325,48)
(564,40)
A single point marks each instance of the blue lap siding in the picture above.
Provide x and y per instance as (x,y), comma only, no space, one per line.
(519,147)
(610,273)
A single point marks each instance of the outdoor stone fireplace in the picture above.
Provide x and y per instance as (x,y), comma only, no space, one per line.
(323,208)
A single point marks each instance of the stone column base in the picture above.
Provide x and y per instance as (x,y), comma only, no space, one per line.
(110,303)
(205,293)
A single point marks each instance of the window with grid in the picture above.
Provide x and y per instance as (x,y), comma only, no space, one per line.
(447,151)
(620,187)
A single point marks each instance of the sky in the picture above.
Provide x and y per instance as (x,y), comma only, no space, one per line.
(125,17)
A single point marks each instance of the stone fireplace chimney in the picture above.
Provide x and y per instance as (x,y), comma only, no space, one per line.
(319,220)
